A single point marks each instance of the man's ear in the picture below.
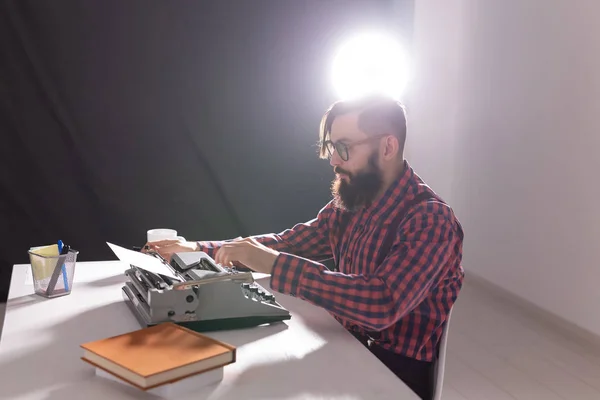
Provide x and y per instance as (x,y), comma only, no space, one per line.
(391,146)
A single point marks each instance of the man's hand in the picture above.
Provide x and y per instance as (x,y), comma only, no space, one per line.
(166,248)
(248,252)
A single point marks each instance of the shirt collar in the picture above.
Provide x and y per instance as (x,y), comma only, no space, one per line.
(397,190)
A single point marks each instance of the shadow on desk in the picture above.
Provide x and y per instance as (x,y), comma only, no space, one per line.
(25,300)
(56,361)
(108,281)
(295,378)
(307,376)
(289,379)
(101,389)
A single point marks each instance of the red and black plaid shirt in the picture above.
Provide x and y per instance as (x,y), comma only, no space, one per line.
(406,298)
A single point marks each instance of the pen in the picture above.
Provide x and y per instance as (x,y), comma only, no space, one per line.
(62,249)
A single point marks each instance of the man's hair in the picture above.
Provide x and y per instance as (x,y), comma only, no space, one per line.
(378,114)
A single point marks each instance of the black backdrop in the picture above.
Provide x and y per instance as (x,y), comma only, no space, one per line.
(121,116)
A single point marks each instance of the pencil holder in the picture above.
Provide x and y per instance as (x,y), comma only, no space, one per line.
(53,274)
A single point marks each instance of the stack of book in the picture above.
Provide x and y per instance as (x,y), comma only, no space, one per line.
(165,359)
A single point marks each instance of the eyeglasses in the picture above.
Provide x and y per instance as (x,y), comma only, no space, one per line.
(343,148)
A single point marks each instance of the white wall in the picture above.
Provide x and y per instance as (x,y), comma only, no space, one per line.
(433,111)
(505,124)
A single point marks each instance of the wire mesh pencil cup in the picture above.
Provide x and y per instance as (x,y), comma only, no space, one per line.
(53,275)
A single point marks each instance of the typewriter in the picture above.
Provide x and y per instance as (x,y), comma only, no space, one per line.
(199,294)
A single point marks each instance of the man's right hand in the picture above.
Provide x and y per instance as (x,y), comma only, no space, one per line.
(166,248)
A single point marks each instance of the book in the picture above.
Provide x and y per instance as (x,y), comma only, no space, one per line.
(157,355)
(193,384)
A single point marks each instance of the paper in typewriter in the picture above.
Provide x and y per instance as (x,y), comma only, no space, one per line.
(141,260)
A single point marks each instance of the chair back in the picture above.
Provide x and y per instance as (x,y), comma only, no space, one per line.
(440,364)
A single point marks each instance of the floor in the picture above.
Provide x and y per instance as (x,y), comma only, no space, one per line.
(497,351)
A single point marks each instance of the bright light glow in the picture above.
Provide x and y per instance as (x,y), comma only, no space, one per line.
(368,64)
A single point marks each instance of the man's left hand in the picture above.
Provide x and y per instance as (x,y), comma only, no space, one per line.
(248,252)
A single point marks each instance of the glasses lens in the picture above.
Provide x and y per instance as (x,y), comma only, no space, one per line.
(342,150)
(329,147)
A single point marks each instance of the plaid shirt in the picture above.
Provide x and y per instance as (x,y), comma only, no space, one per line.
(402,302)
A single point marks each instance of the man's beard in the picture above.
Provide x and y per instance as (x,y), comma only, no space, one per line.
(361,188)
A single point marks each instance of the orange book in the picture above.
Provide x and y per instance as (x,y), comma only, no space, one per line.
(157,355)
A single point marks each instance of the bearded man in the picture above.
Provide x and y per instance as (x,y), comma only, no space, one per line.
(396,245)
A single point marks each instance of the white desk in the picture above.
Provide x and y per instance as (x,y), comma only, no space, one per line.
(308,357)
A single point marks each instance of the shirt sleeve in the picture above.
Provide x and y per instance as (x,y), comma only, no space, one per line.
(308,239)
(422,248)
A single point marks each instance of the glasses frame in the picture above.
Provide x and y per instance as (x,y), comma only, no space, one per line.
(343,149)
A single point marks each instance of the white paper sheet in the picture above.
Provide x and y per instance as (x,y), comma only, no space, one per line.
(141,260)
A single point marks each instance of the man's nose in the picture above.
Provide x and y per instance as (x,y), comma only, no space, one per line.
(335,159)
